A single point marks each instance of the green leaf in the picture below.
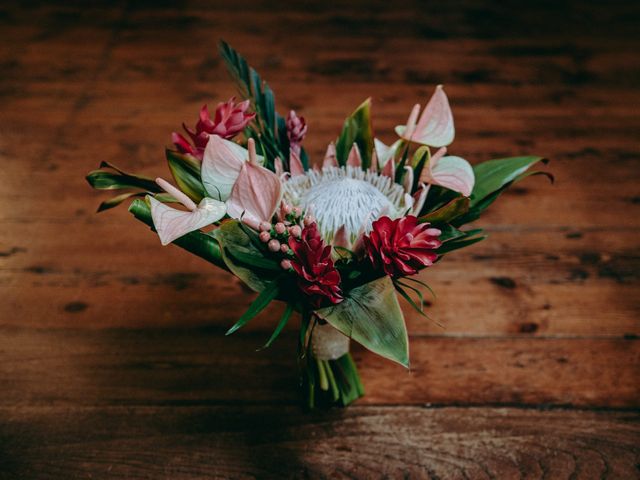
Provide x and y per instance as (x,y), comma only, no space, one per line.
(480,206)
(370,315)
(234,242)
(186,172)
(118,199)
(252,87)
(461,243)
(201,244)
(259,304)
(283,321)
(110,177)
(495,174)
(445,214)
(357,129)
(420,159)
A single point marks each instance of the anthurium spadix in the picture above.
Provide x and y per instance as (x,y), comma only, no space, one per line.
(256,193)
(171,223)
(435,125)
(451,172)
(221,165)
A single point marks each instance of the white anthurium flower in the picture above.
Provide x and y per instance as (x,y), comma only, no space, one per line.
(451,172)
(171,223)
(221,165)
(435,127)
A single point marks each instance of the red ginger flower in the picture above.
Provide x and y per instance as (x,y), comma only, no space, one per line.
(317,276)
(296,130)
(401,247)
(229,119)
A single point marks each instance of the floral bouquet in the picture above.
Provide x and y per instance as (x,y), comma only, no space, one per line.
(335,240)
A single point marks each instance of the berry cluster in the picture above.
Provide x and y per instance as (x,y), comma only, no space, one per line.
(277,235)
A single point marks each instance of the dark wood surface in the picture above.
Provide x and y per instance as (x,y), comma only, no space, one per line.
(113,360)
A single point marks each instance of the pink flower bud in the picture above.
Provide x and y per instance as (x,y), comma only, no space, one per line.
(265,237)
(287,209)
(286,264)
(284,248)
(295,231)
(265,226)
(280,228)
(273,245)
(296,130)
(308,220)
(297,211)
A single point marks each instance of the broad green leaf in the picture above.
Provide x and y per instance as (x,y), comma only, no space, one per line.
(186,172)
(259,304)
(495,174)
(201,244)
(370,315)
(235,242)
(357,129)
(445,214)
(481,205)
(110,177)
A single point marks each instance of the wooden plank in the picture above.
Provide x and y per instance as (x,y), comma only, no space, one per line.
(282,442)
(202,366)
(549,282)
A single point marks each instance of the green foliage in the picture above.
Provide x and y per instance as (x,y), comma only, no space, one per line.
(201,244)
(186,172)
(494,177)
(110,177)
(370,315)
(357,129)
(265,130)
(445,214)
(281,324)
(243,258)
(259,304)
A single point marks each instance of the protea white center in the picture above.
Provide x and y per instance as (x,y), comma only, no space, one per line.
(346,196)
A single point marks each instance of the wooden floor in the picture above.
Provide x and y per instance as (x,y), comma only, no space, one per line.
(113,362)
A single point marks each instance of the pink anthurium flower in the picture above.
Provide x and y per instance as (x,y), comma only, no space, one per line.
(221,165)
(451,172)
(256,193)
(171,223)
(435,126)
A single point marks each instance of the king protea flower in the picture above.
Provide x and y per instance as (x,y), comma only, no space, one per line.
(401,247)
(317,276)
(230,118)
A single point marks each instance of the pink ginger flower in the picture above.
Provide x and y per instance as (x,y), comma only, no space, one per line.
(402,246)
(296,131)
(230,118)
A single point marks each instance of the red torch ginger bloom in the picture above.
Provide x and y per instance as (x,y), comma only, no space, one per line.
(229,119)
(401,247)
(296,130)
(317,276)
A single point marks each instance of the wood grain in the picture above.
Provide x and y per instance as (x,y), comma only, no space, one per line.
(113,362)
(202,366)
(282,442)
